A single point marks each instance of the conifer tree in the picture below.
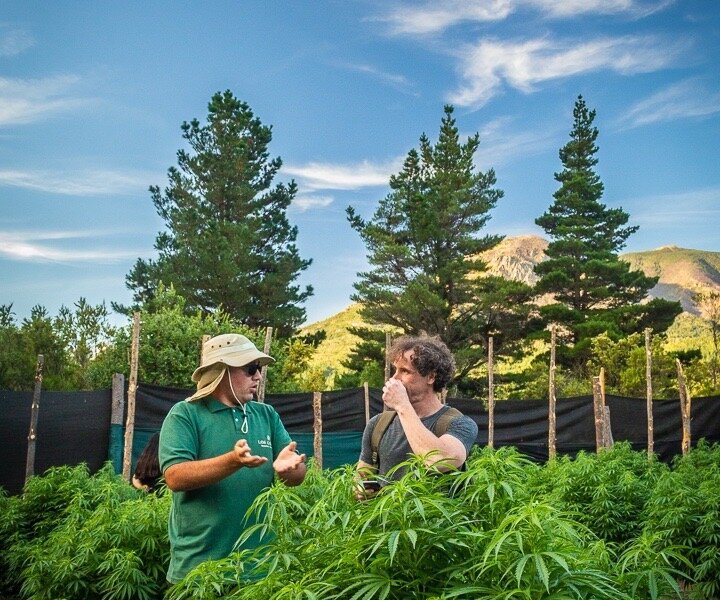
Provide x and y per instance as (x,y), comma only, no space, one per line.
(423,246)
(228,242)
(593,290)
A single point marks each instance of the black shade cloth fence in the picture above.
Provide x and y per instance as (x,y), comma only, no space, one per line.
(74,427)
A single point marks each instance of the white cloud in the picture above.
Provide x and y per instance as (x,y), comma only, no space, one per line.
(436,17)
(83,183)
(523,65)
(326,176)
(24,247)
(682,100)
(500,144)
(575,8)
(700,206)
(27,100)
(14,42)
(303,203)
(398,82)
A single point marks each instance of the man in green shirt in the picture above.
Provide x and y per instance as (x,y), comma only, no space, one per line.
(218,451)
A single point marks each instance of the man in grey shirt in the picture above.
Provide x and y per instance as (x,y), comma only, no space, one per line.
(423,368)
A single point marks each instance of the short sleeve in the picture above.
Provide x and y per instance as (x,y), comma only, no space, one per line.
(464,429)
(178,438)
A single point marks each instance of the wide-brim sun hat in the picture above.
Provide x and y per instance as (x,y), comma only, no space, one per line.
(221,352)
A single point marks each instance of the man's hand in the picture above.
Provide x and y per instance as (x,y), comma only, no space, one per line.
(288,460)
(395,395)
(245,457)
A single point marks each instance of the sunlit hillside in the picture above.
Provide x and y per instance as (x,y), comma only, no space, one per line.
(682,272)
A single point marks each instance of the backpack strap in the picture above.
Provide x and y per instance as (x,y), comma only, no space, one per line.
(383,422)
(379,430)
(444,420)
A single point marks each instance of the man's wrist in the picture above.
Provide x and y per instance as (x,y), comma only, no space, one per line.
(404,409)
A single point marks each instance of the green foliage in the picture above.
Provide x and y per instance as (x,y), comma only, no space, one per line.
(684,510)
(607,491)
(66,342)
(611,526)
(170,343)
(593,290)
(75,536)
(480,533)
(624,362)
(228,243)
(366,361)
(423,245)
(533,382)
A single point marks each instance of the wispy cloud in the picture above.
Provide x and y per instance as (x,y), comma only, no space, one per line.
(576,8)
(303,202)
(501,144)
(395,81)
(523,65)
(28,100)
(434,18)
(682,100)
(327,176)
(25,246)
(14,42)
(701,206)
(82,183)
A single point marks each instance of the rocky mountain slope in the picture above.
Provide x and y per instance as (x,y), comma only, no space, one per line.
(682,272)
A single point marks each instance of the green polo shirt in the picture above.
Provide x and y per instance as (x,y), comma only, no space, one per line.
(205,523)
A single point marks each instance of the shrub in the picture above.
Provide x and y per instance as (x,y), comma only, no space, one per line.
(684,509)
(77,536)
(607,491)
(472,534)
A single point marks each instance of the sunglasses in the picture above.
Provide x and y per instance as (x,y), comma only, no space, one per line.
(251,369)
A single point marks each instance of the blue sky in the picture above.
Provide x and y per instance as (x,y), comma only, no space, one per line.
(93,93)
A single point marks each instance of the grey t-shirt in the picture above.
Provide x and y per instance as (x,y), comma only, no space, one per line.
(394,447)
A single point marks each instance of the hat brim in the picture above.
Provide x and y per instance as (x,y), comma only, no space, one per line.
(242,359)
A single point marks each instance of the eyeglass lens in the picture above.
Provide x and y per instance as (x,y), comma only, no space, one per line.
(251,369)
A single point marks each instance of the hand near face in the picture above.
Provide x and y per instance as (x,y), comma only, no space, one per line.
(394,394)
(288,460)
(245,456)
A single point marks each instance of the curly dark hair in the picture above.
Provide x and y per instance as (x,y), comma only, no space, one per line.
(430,355)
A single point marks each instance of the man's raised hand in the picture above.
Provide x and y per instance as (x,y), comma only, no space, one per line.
(245,457)
(288,460)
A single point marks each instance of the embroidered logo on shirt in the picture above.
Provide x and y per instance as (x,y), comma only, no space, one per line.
(266,443)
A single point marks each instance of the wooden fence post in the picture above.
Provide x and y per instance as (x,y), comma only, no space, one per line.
(204,339)
(552,423)
(388,366)
(317,427)
(599,413)
(263,370)
(366,390)
(34,413)
(132,391)
(117,412)
(491,396)
(607,427)
(649,394)
(685,406)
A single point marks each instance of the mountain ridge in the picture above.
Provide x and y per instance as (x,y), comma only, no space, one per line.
(682,273)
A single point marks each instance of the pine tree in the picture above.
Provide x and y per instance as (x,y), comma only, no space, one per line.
(593,290)
(228,242)
(423,246)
